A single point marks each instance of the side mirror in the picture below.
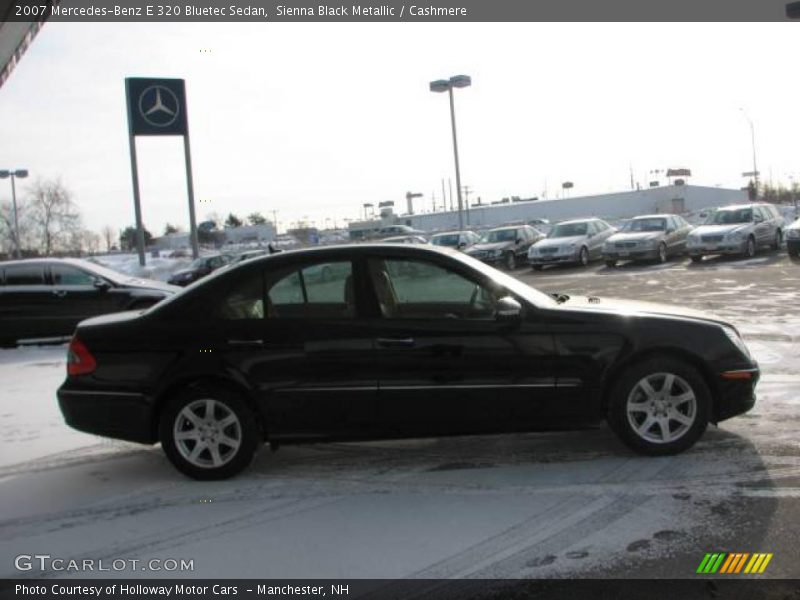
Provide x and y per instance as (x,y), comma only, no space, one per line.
(758,219)
(518,241)
(462,245)
(102,285)
(508,309)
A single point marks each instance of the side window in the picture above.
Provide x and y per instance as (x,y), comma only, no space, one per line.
(320,291)
(413,289)
(24,274)
(245,300)
(66,275)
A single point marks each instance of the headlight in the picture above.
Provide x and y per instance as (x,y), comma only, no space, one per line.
(649,243)
(737,340)
(734,236)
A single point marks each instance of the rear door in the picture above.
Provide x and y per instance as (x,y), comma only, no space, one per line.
(27,304)
(81,294)
(445,364)
(296,335)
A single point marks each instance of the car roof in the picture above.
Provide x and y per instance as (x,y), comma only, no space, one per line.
(574,221)
(501,228)
(741,206)
(657,216)
(453,232)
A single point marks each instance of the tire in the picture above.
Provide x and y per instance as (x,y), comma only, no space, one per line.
(794,252)
(583,257)
(750,248)
(611,264)
(511,261)
(537,267)
(677,418)
(228,407)
(776,245)
(696,258)
(662,253)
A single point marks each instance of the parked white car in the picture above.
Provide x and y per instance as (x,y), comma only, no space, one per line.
(738,229)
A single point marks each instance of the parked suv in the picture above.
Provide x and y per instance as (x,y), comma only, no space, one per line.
(793,239)
(506,246)
(738,229)
(650,237)
(47,298)
(573,242)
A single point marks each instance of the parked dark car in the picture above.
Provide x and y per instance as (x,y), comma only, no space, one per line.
(199,268)
(47,298)
(506,246)
(450,346)
(649,237)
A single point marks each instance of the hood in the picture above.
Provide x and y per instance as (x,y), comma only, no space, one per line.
(719,229)
(561,241)
(492,246)
(182,272)
(635,236)
(151,284)
(623,307)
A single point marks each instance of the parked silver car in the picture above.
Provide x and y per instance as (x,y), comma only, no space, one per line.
(577,242)
(793,239)
(456,239)
(739,229)
(649,237)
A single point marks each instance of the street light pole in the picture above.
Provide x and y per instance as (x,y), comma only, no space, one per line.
(753,142)
(447,85)
(21,173)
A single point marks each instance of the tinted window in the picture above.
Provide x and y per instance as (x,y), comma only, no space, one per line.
(324,290)
(501,235)
(245,300)
(568,230)
(412,289)
(730,217)
(24,275)
(66,275)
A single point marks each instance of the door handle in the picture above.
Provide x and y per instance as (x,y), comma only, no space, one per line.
(395,342)
(60,293)
(251,343)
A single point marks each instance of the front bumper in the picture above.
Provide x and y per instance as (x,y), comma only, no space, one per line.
(736,392)
(723,247)
(552,259)
(115,414)
(631,254)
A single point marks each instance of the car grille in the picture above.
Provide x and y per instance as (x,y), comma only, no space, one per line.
(548,250)
(711,238)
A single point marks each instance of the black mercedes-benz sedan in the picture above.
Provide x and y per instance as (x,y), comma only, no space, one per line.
(410,341)
(46,298)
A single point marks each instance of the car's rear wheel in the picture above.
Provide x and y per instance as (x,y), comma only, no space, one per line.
(794,251)
(662,253)
(750,248)
(583,257)
(696,258)
(659,406)
(209,432)
(778,240)
(611,264)
(511,261)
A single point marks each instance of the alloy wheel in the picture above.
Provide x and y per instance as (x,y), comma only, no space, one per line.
(662,253)
(207,433)
(584,256)
(661,408)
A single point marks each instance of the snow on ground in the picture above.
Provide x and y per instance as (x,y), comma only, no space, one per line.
(533,505)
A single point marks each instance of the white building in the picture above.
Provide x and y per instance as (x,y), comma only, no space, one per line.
(678,199)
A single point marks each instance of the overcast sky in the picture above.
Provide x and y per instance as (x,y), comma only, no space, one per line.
(313,120)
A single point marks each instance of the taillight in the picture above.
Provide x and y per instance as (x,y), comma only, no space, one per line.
(79,360)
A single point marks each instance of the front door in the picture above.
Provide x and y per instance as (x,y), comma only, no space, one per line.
(445,363)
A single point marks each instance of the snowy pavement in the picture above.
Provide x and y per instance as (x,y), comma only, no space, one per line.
(533,505)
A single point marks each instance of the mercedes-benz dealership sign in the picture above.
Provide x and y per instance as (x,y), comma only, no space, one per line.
(156,106)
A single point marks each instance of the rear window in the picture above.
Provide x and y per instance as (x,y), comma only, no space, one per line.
(24,275)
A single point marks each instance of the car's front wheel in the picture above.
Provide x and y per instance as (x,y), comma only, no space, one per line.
(209,432)
(750,248)
(778,240)
(611,263)
(583,257)
(662,253)
(659,406)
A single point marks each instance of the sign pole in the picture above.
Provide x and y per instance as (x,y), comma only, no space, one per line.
(190,188)
(137,206)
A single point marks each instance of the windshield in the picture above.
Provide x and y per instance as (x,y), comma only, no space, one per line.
(645,225)
(512,284)
(730,217)
(500,235)
(197,263)
(568,230)
(450,240)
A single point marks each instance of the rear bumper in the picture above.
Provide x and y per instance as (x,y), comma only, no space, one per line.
(121,415)
(736,393)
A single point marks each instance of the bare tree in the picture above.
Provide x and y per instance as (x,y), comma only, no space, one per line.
(8,235)
(53,213)
(108,236)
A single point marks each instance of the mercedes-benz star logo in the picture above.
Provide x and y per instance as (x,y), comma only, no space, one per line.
(159,106)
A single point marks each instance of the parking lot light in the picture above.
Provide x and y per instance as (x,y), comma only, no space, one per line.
(13,174)
(447,85)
